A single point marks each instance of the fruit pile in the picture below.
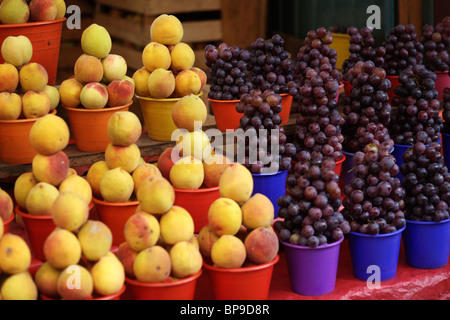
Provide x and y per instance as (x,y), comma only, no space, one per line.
(100,78)
(239,232)
(261,112)
(436,45)
(368,103)
(362,48)
(168,63)
(19,11)
(417,119)
(160,245)
(427,183)
(24,89)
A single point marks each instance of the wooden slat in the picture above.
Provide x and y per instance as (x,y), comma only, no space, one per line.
(410,11)
(200,31)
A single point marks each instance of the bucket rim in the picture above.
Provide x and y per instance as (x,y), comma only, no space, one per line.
(269,173)
(114,204)
(31,24)
(176,283)
(9,220)
(224,101)
(106,109)
(242,269)
(26,120)
(321,247)
(201,190)
(428,222)
(441,72)
(382,235)
(163,100)
(19,211)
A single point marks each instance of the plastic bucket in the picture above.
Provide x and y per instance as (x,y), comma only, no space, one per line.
(15,146)
(272,185)
(37,229)
(338,167)
(114,296)
(88,126)
(375,253)
(244,283)
(197,203)
(225,114)
(286,103)
(183,289)
(312,271)
(6,223)
(394,84)
(427,244)
(45,37)
(347,87)
(346,169)
(115,215)
(341,43)
(442,82)
(446,147)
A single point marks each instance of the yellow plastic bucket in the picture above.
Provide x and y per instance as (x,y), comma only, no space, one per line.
(341,43)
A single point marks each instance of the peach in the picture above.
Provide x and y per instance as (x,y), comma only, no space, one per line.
(161,83)
(14,11)
(22,186)
(74,182)
(95,239)
(186,259)
(108,274)
(166,29)
(152,264)
(195,143)
(33,77)
(114,67)
(124,128)
(49,134)
(60,9)
(142,172)
(187,173)
(141,231)
(96,41)
(225,216)
(42,10)
(236,183)
(201,74)
(10,106)
(176,225)
(127,255)
(261,245)
(62,248)
(9,77)
(156,195)
(116,185)
(15,255)
(182,56)
(40,199)
(70,92)
(19,286)
(187,110)
(88,68)
(214,166)
(70,210)
(187,82)
(35,104)
(120,92)
(94,95)
(94,175)
(140,77)
(82,289)
(53,94)
(166,160)
(17,50)
(46,279)
(51,169)
(206,239)
(126,158)
(258,211)
(228,252)
(156,55)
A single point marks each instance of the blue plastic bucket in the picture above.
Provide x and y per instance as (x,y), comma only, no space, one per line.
(346,171)
(399,150)
(446,147)
(272,185)
(427,244)
(375,256)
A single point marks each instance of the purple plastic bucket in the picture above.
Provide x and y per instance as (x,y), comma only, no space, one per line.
(312,271)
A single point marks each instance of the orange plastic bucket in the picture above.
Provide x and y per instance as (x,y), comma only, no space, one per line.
(197,203)
(89,126)
(338,167)
(225,114)
(286,103)
(6,224)
(114,296)
(341,43)
(45,37)
(183,289)
(37,229)
(115,215)
(15,146)
(245,283)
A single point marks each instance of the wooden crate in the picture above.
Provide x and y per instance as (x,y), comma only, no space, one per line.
(129,23)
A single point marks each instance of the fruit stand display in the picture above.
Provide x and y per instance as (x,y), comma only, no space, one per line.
(146,215)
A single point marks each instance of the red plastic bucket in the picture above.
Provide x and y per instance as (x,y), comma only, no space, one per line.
(197,203)
(394,84)
(37,229)
(114,296)
(115,215)
(338,167)
(245,283)
(45,36)
(442,82)
(225,114)
(347,87)
(89,126)
(6,224)
(286,103)
(183,289)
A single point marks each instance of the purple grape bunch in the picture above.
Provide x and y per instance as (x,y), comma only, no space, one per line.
(436,45)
